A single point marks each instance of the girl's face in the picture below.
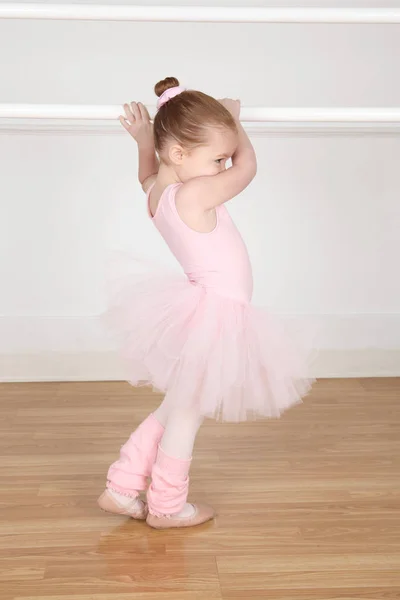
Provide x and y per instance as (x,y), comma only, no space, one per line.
(206,160)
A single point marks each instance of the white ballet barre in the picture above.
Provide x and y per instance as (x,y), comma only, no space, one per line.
(208,14)
(248,114)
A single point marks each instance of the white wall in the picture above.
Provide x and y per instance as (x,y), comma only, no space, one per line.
(321,220)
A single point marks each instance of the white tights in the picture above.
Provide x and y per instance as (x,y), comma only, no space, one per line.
(181,427)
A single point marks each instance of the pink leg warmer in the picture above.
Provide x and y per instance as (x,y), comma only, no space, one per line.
(167,493)
(128,475)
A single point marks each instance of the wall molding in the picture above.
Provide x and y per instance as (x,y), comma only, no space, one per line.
(251,114)
(284,129)
(204,14)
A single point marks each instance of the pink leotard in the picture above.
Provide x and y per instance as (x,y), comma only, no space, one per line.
(217,260)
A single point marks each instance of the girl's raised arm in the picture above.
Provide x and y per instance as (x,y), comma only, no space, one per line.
(211,191)
(137,123)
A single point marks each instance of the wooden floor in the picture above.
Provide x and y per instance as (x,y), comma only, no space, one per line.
(308,505)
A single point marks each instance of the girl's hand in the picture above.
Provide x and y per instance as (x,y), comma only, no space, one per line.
(232,105)
(137,122)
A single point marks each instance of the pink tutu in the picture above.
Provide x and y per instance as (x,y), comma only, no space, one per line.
(231,360)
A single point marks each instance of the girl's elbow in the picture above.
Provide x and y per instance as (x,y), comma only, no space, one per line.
(253,168)
(252,164)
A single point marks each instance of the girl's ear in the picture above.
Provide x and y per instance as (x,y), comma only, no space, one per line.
(176,154)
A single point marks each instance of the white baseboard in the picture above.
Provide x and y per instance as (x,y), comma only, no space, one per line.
(106,366)
(75,348)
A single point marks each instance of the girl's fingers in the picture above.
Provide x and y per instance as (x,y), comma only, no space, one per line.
(124,122)
(128,112)
(135,111)
(144,113)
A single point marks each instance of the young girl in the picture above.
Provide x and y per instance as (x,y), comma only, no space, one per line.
(196,337)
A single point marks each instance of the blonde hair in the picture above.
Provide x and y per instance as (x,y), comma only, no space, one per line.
(185,117)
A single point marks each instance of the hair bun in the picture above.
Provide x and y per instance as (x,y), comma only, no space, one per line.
(165,84)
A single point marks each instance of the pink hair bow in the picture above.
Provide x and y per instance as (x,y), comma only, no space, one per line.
(168,94)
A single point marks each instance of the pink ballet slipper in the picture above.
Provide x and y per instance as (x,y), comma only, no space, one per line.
(136,509)
(202,514)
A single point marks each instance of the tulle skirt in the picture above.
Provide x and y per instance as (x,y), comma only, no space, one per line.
(231,360)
